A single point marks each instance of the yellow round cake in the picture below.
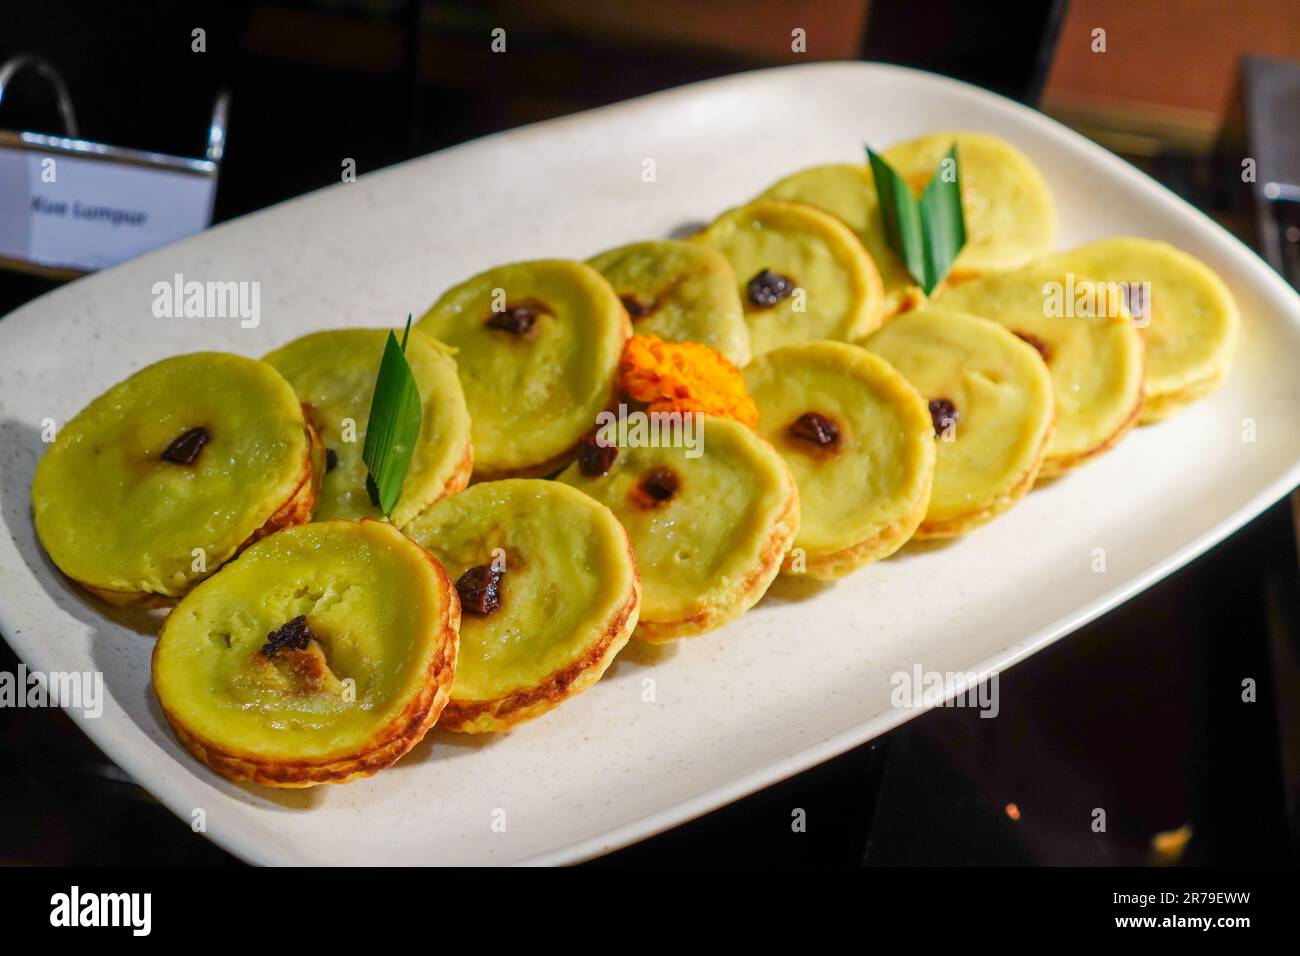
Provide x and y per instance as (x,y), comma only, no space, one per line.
(1087,338)
(680,291)
(333,374)
(801,273)
(710,524)
(321,654)
(1010,216)
(991,409)
(164,477)
(1185,313)
(549,594)
(537,345)
(848,192)
(858,439)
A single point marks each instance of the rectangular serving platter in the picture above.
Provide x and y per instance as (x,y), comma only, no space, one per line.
(806,674)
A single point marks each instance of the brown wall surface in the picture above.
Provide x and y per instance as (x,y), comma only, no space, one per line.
(1178,55)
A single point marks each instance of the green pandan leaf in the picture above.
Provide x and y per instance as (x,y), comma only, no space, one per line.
(394,424)
(928,234)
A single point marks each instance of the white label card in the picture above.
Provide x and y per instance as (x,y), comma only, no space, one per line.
(73,212)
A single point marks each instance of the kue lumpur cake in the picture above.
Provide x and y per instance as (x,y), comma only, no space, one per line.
(834,410)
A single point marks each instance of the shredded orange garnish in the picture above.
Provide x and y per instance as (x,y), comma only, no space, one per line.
(684,377)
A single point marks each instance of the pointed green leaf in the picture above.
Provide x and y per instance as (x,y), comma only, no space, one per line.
(901,215)
(394,424)
(926,235)
(943,222)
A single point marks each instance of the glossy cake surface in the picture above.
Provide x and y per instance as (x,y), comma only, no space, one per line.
(1010,215)
(166,475)
(1088,340)
(680,291)
(375,619)
(1190,325)
(858,439)
(848,192)
(710,529)
(333,374)
(991,407)
(537,347)
(802,274)
(556,599)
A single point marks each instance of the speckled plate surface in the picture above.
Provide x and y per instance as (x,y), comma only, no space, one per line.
(803,676)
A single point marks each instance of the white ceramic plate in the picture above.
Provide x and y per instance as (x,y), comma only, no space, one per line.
(795,681)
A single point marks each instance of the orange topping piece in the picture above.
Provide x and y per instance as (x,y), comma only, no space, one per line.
(684,377)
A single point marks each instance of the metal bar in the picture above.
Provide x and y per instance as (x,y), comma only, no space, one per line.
(47,71)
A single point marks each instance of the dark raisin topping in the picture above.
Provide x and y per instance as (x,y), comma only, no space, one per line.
(635,307)
(942,413)
(767,288)
(293,634)
(516,319)
(659,484)
(185,449)
(816,428)
(1037,343)
(480,589)
(331,460)
(595,458)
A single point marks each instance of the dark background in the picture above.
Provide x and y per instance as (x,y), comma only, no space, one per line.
(1139,713)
